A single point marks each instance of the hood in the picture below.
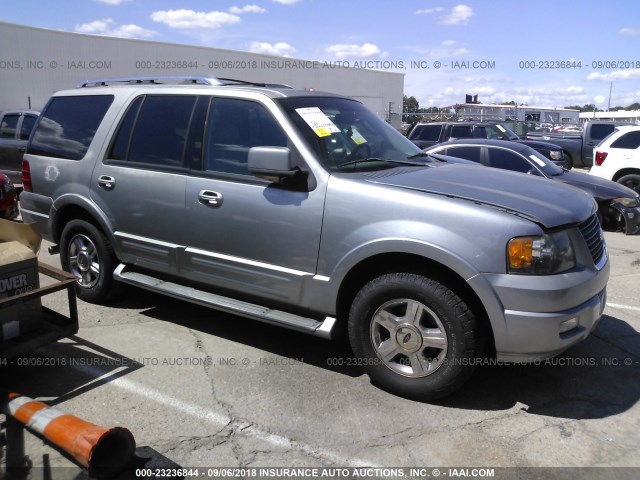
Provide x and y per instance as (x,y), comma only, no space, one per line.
(599,188)
(549,204)
(536,144)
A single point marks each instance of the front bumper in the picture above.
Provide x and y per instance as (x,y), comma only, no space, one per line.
(526,312)
(538,334)
(626,219)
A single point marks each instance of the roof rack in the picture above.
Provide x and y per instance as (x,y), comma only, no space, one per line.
(175,80)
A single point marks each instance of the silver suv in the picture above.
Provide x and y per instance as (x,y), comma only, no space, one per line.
(305,210)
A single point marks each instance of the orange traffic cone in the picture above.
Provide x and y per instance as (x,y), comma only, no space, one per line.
(105,452)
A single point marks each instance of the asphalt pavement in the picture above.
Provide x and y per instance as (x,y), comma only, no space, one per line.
(200,388)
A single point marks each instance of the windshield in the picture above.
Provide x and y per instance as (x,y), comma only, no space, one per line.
(543,163)
(346,136)
(505,132)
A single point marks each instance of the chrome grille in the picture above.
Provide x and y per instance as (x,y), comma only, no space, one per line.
(592,234)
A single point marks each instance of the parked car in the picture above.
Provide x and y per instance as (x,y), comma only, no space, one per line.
(8,198)
(577,146)
(15,128)
(428,134)
(618,206)
(306,210)
(617,158)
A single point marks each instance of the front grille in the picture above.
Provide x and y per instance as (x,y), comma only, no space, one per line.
(592,234)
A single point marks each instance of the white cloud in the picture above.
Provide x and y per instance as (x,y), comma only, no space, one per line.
(630,31)
(447,43)
(287,2)
(191,19)
(616,75)
(365,50)
(112,2)
(107,27)
(427,11)
(599,99)
(247,9)
(459,15)
(280,49)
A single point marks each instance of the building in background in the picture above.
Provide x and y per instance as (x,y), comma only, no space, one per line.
(37,62)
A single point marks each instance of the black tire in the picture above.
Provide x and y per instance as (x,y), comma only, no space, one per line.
(86,252)
(567,161)
(392,349)
(631,180)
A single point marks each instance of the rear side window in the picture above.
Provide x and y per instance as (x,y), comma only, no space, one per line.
(600,131)
(461,131)
(154,131)
(629,141)
(468,153)
(67,126)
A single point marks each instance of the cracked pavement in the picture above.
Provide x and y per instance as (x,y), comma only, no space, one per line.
(206,389)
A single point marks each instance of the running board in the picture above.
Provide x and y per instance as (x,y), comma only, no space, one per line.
(211,300)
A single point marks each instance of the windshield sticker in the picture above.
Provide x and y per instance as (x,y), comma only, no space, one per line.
(537,160)
(318,121)
(501,128)
(357,137)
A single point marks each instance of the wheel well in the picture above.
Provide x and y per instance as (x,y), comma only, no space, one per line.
(625,171)
(403,262)
(72,212)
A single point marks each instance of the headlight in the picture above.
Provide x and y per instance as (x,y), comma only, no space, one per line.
(627,202)
(541,255)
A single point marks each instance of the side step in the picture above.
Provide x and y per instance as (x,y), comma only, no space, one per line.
(225,304)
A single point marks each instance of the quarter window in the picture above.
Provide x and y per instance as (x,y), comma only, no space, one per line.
(28,122)
(67,126)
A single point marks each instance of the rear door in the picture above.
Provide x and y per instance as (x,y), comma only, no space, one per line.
(141,183)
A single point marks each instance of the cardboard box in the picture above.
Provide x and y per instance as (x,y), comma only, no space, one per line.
(19,245)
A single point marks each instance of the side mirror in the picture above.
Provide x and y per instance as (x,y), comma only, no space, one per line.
(271,163)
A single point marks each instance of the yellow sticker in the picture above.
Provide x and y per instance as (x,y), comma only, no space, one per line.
(322,132)
(357,137)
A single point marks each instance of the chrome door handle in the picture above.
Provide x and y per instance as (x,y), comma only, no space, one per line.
(209,198)
(106,182)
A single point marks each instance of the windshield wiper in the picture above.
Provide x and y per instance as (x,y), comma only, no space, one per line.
(385,160)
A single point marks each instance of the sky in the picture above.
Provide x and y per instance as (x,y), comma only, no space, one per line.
(537,53)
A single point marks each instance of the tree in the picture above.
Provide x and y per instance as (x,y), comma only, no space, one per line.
(410,104)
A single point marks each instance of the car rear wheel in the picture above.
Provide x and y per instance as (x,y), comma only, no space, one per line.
(631,181)
(413,336)
(86,253)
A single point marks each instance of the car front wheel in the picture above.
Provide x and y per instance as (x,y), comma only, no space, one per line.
(86,253)
(413,336)
(631,181)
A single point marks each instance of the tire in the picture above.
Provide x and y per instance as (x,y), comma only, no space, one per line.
(86,253)
(567,161)
(631,180)
(389,321)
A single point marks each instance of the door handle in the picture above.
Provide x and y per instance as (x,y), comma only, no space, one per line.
(106,182)
(209,198)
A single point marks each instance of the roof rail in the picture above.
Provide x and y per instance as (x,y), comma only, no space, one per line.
(179,80)
(175,80)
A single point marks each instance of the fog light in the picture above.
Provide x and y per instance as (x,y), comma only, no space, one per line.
(568,325)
